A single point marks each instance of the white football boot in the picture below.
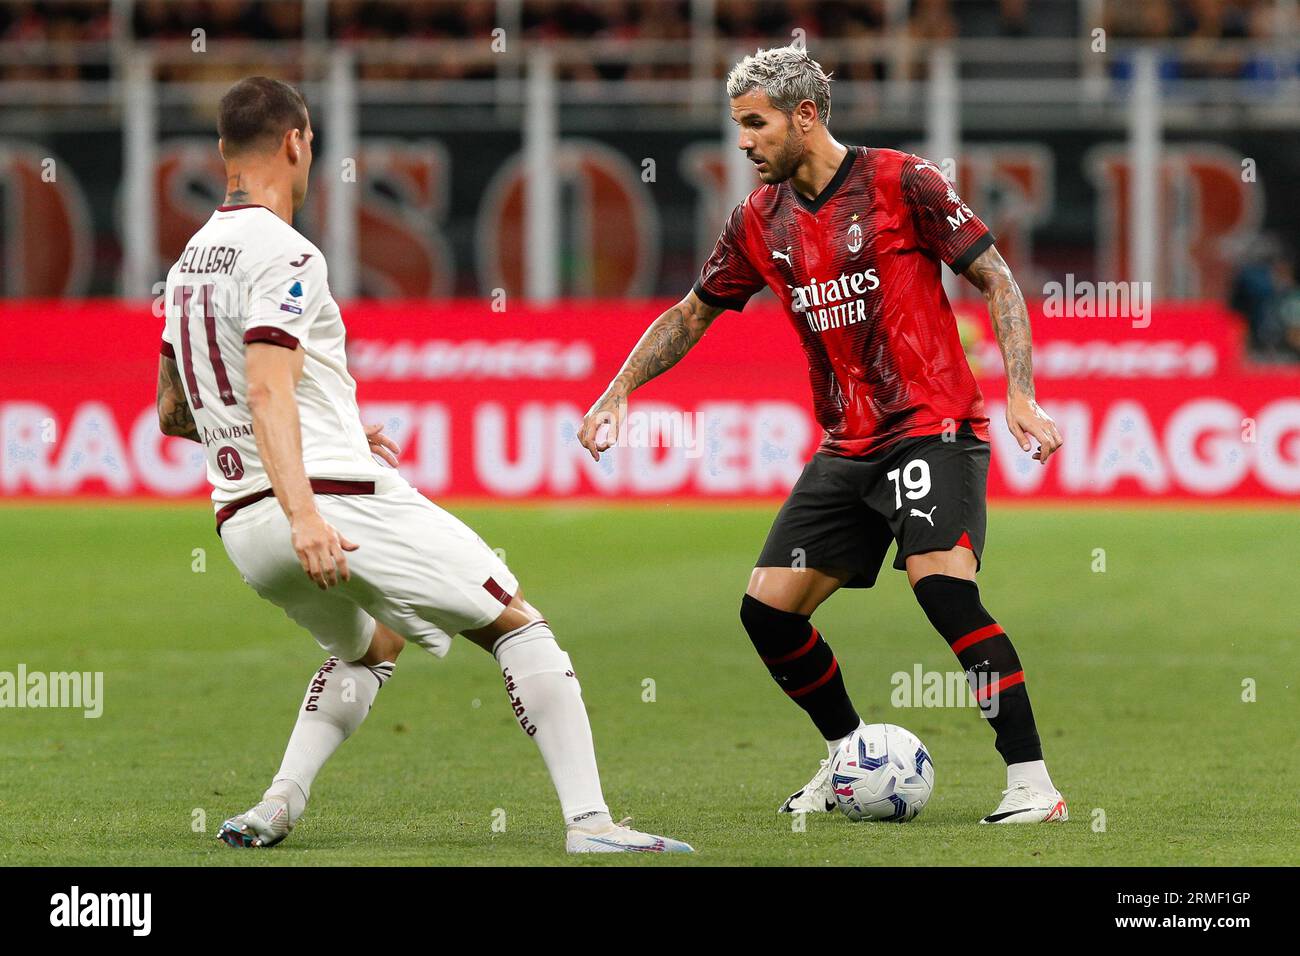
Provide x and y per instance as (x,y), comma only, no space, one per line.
(816,796)
(620,838)
(263,826)
(1025,804)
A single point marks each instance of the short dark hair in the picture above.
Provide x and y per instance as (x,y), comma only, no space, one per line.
(257,111)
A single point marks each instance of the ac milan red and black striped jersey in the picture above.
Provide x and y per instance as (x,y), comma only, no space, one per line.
(857,270)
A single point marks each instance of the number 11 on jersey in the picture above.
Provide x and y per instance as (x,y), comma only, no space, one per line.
(181,299)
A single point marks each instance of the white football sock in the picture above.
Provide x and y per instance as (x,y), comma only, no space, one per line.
(547,701)
(337,700)
(834,745)
(1032,772)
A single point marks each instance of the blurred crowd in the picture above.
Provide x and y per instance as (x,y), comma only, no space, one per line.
(26,27)
(1204,23)
(1265,292)
(1208,27)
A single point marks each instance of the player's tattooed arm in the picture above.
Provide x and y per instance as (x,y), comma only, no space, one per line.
(174,415)
(669,338)
(662,346)
(991,275)
(1010,317)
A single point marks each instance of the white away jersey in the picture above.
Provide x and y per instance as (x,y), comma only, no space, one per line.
(248,276)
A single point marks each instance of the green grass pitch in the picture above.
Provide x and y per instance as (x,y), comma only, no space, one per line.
(1136,674)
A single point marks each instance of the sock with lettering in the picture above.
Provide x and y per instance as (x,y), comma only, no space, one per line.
(547,700)
(338,699)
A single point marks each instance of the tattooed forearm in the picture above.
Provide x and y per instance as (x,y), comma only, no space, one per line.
(664,343)
(174,415)
(991,275)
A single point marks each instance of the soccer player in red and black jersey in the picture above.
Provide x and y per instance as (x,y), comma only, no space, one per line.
(852,240)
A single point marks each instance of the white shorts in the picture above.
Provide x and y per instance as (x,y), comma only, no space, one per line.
(420,571)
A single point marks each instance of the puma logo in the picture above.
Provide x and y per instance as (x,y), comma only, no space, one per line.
(302,260)
(928,516)
(778,254)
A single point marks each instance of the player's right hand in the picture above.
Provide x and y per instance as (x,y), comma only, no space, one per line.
(320,550)
(1026,419)
(602,424)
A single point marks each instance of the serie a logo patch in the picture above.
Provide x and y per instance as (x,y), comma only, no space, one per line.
(293,302)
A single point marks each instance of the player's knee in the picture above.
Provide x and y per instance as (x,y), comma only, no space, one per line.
(385,645)
(769,590)
(760,619)
(761,593)
(531,650)
(958,562)
(951,603)
(751,613)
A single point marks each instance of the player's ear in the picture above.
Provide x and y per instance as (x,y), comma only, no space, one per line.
(806,113)
(221,148)
(293,145)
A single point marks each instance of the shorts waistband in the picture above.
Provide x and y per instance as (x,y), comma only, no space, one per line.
(319,486)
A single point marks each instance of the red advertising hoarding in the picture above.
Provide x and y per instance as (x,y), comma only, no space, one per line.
(485,404)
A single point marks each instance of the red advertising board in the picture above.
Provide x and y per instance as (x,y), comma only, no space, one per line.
(485,404)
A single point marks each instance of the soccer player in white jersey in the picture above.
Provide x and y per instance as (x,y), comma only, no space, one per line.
(253,367)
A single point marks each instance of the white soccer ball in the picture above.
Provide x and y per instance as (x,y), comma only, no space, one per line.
(882,772)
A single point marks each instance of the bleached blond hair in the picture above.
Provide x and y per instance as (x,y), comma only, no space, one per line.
(788,75)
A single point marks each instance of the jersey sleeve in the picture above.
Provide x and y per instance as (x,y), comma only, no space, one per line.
(728,278)
(284,299)
(945,225)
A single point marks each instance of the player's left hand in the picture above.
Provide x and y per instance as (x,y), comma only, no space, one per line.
(382,445)
(1027,419)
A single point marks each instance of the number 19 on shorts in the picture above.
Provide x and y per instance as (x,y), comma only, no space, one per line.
(914,477)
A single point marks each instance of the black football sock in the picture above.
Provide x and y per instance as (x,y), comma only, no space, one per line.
(984,650)
(801,663)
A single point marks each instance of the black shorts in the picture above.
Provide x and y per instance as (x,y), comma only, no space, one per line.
(926,493)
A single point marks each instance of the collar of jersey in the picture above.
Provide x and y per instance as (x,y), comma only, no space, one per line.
(823,197)
(247,205)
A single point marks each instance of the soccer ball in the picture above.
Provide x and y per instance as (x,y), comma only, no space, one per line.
(882,772)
